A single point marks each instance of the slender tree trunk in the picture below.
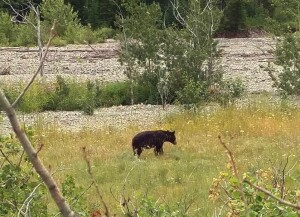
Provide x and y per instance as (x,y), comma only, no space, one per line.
(39,38)
(131,91)
(64,208)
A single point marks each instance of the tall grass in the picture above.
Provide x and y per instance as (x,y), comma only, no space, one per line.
(261,135)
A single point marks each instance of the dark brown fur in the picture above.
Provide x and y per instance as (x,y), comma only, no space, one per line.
(152,139)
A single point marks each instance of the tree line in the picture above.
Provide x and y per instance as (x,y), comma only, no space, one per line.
(273,15)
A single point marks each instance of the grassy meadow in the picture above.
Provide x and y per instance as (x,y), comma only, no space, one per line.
(261,135)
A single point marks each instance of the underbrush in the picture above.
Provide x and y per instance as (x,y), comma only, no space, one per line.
(261,135)
(70,95)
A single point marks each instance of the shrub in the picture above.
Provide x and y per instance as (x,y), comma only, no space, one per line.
(3,39)
(20,187)
(58,10)
(287,55)
(104,33)
(117,93)
(79,34)
(145,89)
(33,101)
(257,202)
(230,90)
(90,104)
(59,42)
(73,194)
(6,28)
(24,35)
(192,93)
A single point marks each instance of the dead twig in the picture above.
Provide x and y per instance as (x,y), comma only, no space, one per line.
(123,201)
(21,158)
(97,52)
(6,158)
(27,201)
(235,173)
(89,169)
(39,149)
(283,179)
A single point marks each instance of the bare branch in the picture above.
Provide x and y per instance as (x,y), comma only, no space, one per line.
(20,160)
(6,158)
(235,173)
(284,202)
(51,37)
(89,169)
(283,179)
(39,149)
(179,18)
(18,14)
(27,201)
(97,52)
(123,201)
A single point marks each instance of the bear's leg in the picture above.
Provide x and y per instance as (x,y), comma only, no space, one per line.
(156,151)
(161,151)
(138,152)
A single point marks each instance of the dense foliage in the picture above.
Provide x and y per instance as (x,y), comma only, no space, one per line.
(177,64)
(287,56)
(278,15)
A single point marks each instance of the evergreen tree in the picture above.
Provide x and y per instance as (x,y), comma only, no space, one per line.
(59,11)
(234,16)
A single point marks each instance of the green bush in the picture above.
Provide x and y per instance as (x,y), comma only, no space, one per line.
(104,33)
(117,93)
(230,90)
(68,96)
(24,35)
(90,103)
(193,92)
(59,11)
(79,34)
(59,42)
(145,89)
(34,99)
(242,197)
(6,28)
(4,41)
(287,55)
(20,187)
(73,194)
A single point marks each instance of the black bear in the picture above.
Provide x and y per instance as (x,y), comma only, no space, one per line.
(152,139)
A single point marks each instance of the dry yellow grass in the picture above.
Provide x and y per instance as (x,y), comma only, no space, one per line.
(260,136)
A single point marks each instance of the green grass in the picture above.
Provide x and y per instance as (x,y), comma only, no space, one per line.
(260,135)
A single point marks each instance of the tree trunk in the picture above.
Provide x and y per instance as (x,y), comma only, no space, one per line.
(63,206)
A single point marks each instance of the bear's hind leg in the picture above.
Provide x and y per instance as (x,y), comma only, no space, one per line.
(137,152)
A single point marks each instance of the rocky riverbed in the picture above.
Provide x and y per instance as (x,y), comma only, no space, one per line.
(242,58)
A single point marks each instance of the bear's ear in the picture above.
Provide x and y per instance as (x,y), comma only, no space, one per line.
(173,132)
